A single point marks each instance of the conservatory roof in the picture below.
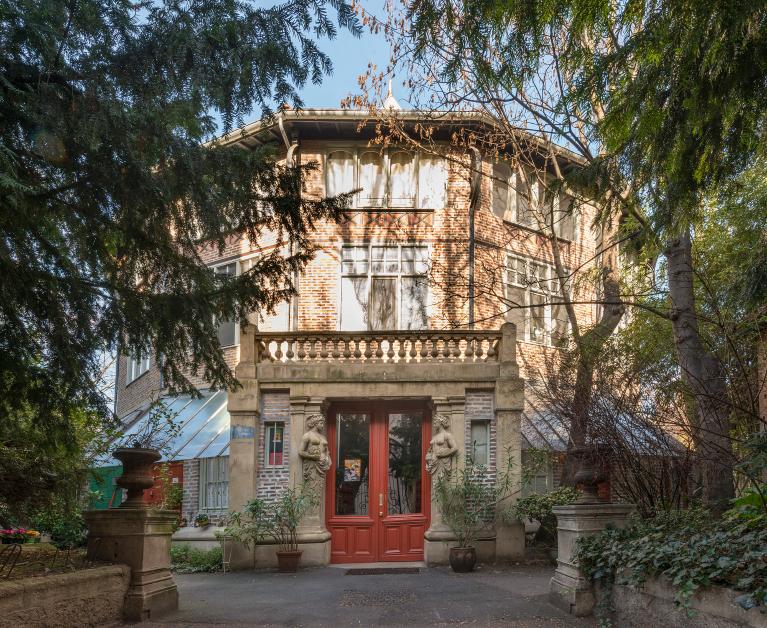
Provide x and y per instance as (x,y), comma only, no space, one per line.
(203,426)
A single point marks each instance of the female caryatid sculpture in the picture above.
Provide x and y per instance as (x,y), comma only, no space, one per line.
(442,449)
(314,450)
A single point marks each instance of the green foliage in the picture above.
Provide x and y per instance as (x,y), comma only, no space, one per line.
(66,527)
(187,559)
(277,519)
(539,507)
(689,548)
(106,190)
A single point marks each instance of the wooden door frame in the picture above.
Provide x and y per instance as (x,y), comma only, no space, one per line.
(378,410)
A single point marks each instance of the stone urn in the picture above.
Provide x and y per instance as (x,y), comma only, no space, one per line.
(591,473)
(463,559)
(137,473)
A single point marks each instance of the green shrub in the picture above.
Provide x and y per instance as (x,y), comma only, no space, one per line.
(688,547)
(186,559)
(539,507)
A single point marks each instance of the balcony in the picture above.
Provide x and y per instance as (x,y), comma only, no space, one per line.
(474,357)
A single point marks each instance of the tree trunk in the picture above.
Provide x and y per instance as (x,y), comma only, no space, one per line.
(589,347)
(703,375)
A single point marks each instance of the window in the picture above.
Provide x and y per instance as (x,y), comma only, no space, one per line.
(214,483)
(273,445)
(532,287)
(393,178)
(227,330)
(515,196)
(480,442)
(136,367)
(384,287)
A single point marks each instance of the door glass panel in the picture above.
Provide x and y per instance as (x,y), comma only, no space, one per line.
(352,458)
(404,481)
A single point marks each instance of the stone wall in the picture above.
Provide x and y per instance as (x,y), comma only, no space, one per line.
(653,605)
(90,597)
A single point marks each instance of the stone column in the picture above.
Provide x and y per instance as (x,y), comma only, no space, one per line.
(139,538)
(509,403)
(313,536)
(244,440)
(570,589)
(438,536)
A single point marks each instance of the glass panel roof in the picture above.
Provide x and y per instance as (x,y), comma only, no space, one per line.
(203,427)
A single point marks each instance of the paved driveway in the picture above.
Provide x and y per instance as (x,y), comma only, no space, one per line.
(328,597)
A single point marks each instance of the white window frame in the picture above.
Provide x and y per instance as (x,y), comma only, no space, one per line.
(237,271)
(512,202)
(268,426)
(221,469)
(355,150)
(546,287)
(136,367)
(370,274)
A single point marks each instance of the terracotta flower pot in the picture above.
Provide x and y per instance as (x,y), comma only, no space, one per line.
(463,559)
(137,473)
(287,562)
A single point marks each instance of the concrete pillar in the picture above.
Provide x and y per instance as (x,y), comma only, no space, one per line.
(571,589)
(437,538)
(509,403)
(244,440)
(139,538)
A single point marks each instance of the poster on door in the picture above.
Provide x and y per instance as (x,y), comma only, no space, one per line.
(352,469)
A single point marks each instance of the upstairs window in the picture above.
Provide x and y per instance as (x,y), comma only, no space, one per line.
(532,287)
(521,198)
(135,367)
(384,287)
(227,329)
(387,178)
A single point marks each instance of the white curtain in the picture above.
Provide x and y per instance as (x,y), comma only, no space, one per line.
(403,182)
(340,172)
(432,182)
(372,180)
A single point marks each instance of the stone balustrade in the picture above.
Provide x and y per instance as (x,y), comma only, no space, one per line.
(417,346)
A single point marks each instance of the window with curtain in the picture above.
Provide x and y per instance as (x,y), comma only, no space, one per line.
(135,367)
(214,483)
(388,177)
(480,442)
(403,184)
(534,302)
(372,179)
(340,172)
(384,287)
(227,329)
(273,444)
(503,193)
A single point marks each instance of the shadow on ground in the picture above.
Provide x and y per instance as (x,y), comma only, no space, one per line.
(328,597)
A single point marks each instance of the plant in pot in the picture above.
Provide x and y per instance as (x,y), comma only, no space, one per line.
(139,451)
(201,521)
(467,498)
(276,520)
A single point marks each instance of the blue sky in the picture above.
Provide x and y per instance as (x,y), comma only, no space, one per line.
(350,57)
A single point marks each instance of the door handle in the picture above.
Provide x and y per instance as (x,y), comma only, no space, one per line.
(380,504)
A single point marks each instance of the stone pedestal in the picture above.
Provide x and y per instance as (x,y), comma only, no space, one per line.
(570,589)
(139,538)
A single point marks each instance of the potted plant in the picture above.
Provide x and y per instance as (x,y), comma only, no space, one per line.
(276,520)
(467,499)
(138,452)
(13,536)
(201,520)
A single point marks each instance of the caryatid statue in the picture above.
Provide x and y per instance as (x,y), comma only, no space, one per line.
(442,448)
(314,449)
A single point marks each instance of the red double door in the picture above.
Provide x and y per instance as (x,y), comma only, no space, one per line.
(378,498)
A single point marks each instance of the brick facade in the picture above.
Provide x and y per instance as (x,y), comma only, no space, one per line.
(275,407)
